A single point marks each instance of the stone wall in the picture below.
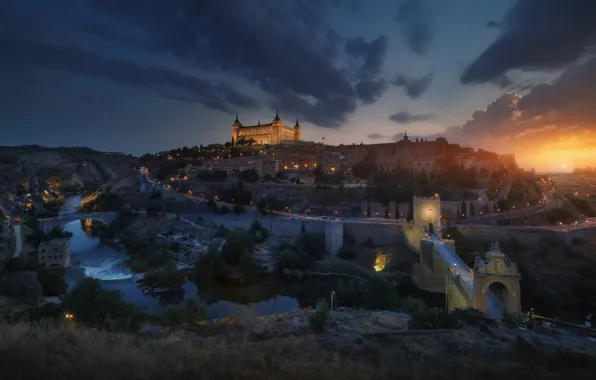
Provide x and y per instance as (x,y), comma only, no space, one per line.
(412,236)
(276,226)
(458,297)
(334,236)
(381,234)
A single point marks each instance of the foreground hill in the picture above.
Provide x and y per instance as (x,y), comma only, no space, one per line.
(70,352)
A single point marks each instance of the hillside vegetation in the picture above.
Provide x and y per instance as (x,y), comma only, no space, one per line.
(68,352)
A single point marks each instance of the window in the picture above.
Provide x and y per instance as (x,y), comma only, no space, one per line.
(60,256)
(55,249)
(43,249)
(43,257)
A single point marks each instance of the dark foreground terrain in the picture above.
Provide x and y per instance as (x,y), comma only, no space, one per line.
(69,352)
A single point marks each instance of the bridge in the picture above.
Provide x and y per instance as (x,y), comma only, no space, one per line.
(47,225)
(464,286)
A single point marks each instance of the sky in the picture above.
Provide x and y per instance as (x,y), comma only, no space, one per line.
(138,76)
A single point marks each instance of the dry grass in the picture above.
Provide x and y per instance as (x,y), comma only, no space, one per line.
(68,352)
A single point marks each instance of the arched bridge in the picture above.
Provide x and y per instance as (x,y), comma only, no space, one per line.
(107,217)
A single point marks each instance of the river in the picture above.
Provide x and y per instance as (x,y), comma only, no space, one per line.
(92,258)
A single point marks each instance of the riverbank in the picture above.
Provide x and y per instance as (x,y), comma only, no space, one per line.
(71,352)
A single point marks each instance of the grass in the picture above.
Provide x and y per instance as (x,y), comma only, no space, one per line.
(67,352)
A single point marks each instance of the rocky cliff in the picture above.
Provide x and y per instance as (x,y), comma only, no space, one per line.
(22,168)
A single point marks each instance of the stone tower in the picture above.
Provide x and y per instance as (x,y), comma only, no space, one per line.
(235,129)
(276,129)
(297,131)
(427,213)
(496,268)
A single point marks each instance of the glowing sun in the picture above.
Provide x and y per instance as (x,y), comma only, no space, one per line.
(564,166)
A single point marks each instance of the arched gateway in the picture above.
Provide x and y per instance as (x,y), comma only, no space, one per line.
(496,269)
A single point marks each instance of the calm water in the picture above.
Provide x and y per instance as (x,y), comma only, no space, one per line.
(89,258)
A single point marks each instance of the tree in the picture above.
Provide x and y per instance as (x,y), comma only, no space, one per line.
(52,282)
(92,305)
(238,243)
(238,209)
(364,169)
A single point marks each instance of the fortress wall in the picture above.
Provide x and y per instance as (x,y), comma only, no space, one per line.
(276,226)
(381,234)
(412,236)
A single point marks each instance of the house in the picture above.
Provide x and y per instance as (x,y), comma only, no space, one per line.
(54,253)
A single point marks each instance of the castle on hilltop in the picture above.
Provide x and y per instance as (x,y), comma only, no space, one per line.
(272,133)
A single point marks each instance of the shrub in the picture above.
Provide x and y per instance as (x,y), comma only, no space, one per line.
(320,318)
(175,246)
(238,209)
(293,260)
(189,313)
(413,305)
(313,244)
(238,243)
(221,232)
(511,320)
(348,252)
(433,319)
(52,282)
(104,309)
(471,316)
(224,210)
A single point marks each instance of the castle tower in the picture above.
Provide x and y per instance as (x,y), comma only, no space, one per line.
(297,131)
(496,269)
(235,130)
(276,126)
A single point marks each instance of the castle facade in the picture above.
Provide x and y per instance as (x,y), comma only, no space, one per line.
(272,133)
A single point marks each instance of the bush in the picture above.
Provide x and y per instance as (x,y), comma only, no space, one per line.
(52,282)
(348,252)
(433,319)
(293,260)
(413,305)
(238,209)
(175,246)
(313,244)
(189,313)
(224,210)
(471,316)
(320,318)
(511,320)
(238,243)
(222,232)
(104,309)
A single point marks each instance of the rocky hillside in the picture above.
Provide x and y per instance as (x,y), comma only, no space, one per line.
(25,166)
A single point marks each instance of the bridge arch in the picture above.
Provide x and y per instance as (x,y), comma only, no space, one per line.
(498,272)
(107,217)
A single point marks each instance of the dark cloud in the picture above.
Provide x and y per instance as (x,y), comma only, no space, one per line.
(31,55)
(369,56)
(369,91)
(283,46)
(376,136)
(367,64)
(415,25)
(414,87)
(406,117)
(548,114)
(537,34)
